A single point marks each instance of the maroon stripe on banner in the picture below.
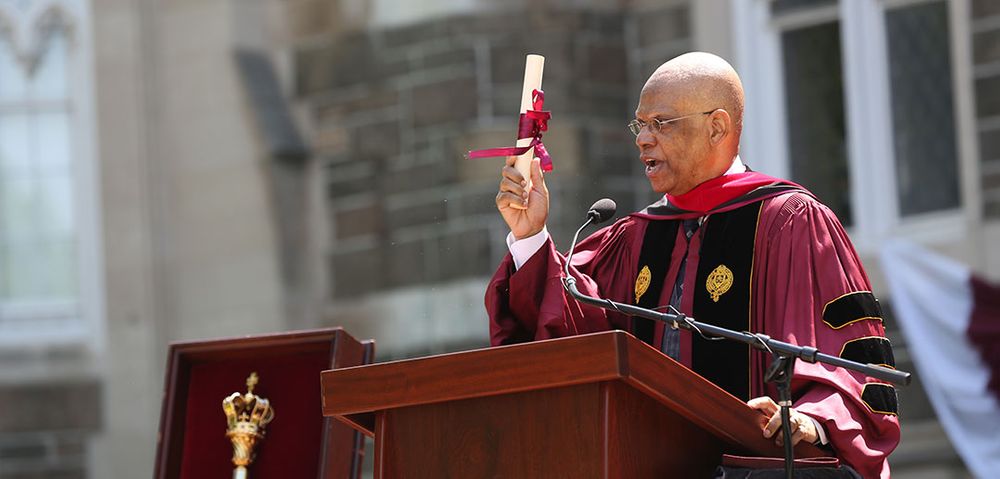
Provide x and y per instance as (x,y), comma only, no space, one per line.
(984,328)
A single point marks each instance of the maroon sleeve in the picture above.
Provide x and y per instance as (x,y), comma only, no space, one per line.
(808,262)
(530,303)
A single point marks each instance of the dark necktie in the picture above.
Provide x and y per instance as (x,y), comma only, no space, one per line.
(671,337)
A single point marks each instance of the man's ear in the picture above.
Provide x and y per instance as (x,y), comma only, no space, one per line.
(721,125)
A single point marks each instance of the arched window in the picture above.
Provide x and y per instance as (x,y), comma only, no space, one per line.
(45,166)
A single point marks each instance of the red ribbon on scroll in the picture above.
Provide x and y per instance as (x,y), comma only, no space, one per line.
(531,124)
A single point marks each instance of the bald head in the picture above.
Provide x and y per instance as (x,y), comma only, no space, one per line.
(701,98)
(704,81)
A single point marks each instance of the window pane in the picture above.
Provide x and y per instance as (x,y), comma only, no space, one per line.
(52,152)
(814,97)
(38,237)
(25,269)
(20,210)
(61,280)
(922,109)
(56,198)
(12,76)
(14,145)
(49,81)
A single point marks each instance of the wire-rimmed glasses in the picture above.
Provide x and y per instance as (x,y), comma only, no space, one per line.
(656,125)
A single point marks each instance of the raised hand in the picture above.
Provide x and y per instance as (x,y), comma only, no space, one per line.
(524,209)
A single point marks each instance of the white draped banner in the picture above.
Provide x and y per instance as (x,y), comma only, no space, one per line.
(951,322)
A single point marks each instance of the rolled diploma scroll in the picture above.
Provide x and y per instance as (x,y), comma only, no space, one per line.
(533,66)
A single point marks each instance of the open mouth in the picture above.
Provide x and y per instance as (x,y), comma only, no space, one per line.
(650,162)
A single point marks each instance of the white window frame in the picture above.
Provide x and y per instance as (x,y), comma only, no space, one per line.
(868,113)
(86,328)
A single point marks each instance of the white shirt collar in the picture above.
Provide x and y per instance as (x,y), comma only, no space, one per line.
(736,167)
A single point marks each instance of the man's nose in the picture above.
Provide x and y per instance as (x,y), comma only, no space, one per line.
(645,138)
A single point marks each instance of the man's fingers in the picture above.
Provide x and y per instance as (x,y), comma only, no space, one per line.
(506,199)
(763,404)
(537,178)
(797,436)
(510,186)
(511,160)
(511,173)
(773,424)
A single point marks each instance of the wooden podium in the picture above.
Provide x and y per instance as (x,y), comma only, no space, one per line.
(597,405)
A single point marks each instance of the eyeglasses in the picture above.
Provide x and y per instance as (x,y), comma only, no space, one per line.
(636,126)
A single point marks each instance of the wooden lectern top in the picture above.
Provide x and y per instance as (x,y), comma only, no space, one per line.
(350,393)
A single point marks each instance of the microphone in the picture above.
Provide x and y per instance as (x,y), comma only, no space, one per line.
(599,212)
(602,210)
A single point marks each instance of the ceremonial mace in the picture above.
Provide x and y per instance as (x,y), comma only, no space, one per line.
(247,416)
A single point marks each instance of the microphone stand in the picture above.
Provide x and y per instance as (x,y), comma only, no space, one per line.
(783,354)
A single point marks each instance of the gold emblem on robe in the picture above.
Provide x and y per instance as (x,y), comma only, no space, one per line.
(642,282)
(719,281)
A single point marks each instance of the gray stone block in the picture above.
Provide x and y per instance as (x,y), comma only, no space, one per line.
(665,25)
(990,182)
(611,24)
(507,62)
(356,272)
(986,47)
(416,214)
(507,102)
(376,98)
(988,96)
(364,220)
(350,177)
(57,406)
(410,35)
(44,472)
(991,209)
(378,140)
(985,8)
(348,60)
(499,23)
(462,56)
(648,64)
(465,253)
(989,145)
(23,450)
(601,108)
(415,178)
(606,63)
(407,263)
(477,203)
(446,101)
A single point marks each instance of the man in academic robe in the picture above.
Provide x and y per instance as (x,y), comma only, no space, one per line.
(725,245)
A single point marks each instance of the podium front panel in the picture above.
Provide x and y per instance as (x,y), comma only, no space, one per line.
(594,430)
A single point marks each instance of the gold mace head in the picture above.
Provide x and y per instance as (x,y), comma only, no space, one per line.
(247,415)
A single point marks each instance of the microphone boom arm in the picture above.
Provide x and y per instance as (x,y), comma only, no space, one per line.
(760,341)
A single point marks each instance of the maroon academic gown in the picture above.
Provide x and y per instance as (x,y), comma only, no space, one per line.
(802,261)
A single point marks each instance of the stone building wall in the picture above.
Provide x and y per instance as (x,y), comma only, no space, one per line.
(46,427)
(395,109)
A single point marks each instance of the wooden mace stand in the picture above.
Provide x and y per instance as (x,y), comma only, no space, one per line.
(300,441)
(592,406)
